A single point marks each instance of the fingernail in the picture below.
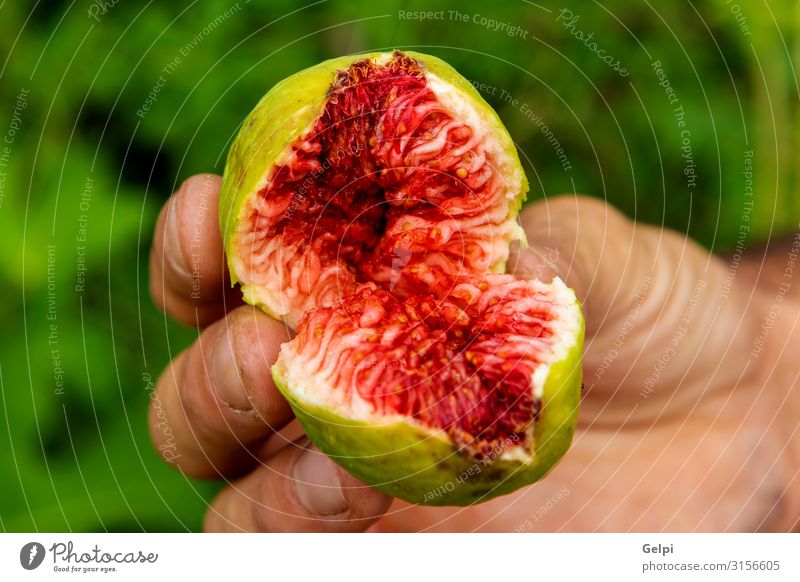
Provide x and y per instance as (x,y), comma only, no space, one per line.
(172,242)
(225,376)
(317,484)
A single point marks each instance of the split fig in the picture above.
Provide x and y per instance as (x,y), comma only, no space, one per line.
(370,202)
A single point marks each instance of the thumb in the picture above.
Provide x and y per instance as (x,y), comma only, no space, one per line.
(590,245)
(661,313)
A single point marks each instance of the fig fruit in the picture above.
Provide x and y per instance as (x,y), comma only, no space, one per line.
(370,203)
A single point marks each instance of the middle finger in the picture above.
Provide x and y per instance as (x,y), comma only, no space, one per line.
(216,401)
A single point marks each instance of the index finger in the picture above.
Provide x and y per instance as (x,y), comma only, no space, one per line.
(188,272)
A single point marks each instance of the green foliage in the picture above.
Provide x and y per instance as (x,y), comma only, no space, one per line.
(94,157)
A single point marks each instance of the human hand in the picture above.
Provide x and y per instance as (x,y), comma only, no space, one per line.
(216,412)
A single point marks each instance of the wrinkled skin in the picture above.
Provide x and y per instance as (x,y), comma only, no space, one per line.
(711,445)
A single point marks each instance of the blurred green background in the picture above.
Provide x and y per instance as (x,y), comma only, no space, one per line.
(87,159)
